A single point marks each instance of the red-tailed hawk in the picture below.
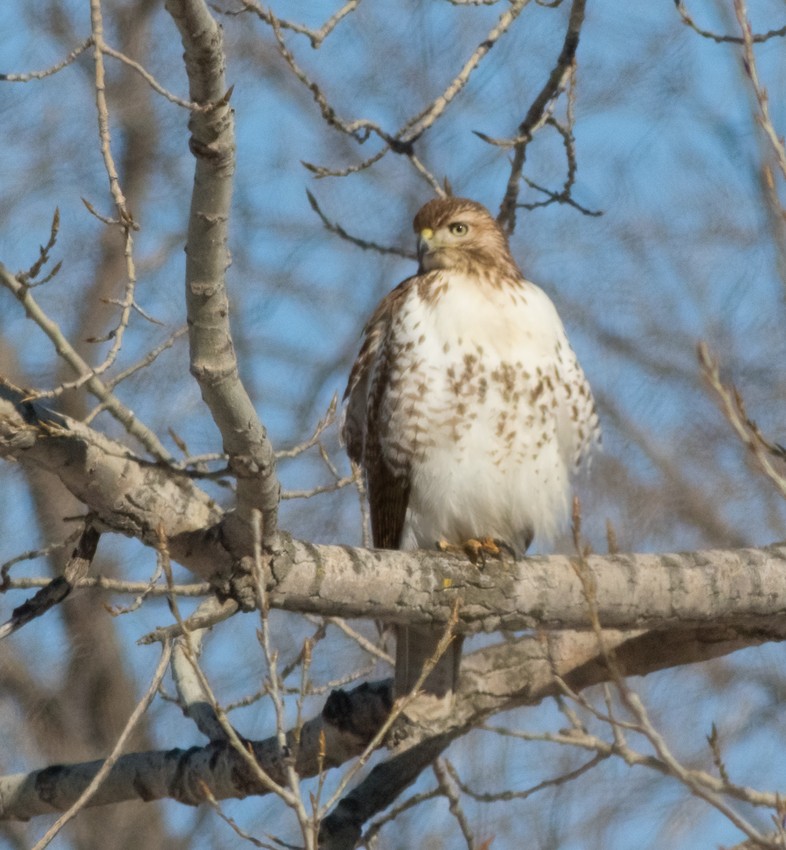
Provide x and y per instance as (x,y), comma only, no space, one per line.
(466,408)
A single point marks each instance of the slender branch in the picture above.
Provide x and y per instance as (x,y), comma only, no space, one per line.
(69,354)
(764,118)
(316,37)
(733,408)
(152,82)
(446,782)
(335,227)
(535,114)
(418,124)
(102,773)
(115,586)
(40,75)
(757,38)
(60,587)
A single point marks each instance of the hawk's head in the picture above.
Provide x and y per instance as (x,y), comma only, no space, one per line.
(461,235)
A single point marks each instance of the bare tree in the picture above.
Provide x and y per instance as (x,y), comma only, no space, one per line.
(124,481)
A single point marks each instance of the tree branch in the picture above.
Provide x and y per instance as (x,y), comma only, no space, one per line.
(213,360)
(536,112)
(498,678)
(129,495)
(740,589)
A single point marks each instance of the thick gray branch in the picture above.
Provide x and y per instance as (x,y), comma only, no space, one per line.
(741,588)
(347,722)
(213,360)
(494,679)
(514,674)
(126,494)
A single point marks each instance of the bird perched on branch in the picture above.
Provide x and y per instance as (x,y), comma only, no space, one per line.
(467,410)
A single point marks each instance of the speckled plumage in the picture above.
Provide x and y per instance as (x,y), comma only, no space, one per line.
(466,406)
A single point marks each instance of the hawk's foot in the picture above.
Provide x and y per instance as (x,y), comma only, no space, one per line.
(477,549)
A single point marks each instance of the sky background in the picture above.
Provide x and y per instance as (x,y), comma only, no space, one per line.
(685,250)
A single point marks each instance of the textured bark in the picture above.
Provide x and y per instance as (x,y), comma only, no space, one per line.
(347,723)
(742,589)
(213,360)
(495,679)
(129,495)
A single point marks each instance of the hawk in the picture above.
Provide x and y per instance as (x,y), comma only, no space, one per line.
(466,409)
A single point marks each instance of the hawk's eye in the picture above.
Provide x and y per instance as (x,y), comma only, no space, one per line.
(458,228)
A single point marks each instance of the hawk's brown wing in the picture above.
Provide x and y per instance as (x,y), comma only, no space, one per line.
(388,492)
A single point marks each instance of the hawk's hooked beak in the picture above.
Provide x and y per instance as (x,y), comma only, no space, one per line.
(424,245)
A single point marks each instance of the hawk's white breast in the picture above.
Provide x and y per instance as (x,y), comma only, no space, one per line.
(487,407)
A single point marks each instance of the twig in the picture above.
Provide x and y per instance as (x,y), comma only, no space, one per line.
(316,37)
(233,824)
(322,171)
(69,354)
(146,361)
(291,795)
(315,491)
(764,118)
(506,796)
(365,644)
(110,761)
(324,422)
(335,227)
(113,584)
(136,603)
(370,835)
(40,75)
(551,89)
(416,126)
(211,612)
(153,83)
(758,38)
(61,586)
(7,583)
(360,129)
(448,786)
(32,273)
(746,429)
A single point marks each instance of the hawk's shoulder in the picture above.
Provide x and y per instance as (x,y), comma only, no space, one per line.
(372,350)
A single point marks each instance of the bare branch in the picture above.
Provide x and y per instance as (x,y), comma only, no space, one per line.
(69,354)
(153,83)
(734,410)
(40,75)
(757,38)
(535,114)
(102,773)
(418,124)
(316,37)
(335,227)
(60,587)
(115,585)
(446,781)
(749,63)
(213,360)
